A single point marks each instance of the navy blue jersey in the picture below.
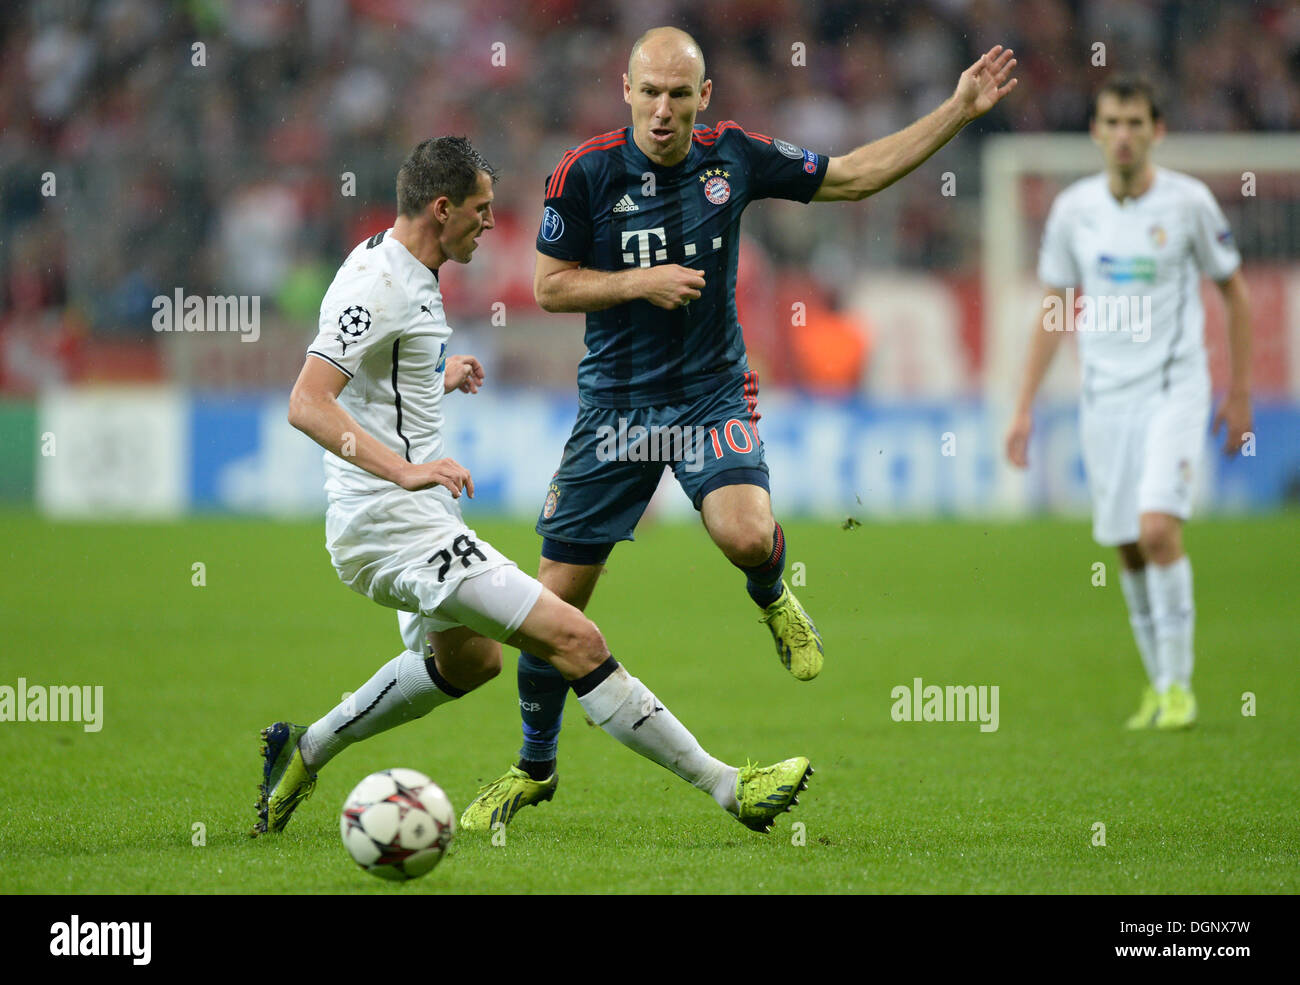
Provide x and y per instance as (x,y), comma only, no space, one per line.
(609,207)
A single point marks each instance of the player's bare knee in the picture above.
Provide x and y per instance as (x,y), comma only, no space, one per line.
(748,543)
(1159,538)
(490,665)
(1151,542)
(590,643)
(478,663)
(596,646)
(582,643)
(482,668)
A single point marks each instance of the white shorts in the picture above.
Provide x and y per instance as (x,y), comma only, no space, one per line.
(1143,448)
(411,551)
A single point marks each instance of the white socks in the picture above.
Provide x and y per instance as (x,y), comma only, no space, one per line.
(627,710)
(1173,615)
(400,691)
(1134,584)
(403,690)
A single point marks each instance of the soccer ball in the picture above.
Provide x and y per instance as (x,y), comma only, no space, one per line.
(397,824)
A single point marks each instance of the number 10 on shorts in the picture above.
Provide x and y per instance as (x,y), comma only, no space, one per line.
(729,431)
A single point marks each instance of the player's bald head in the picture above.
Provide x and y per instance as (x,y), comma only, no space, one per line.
(666,49)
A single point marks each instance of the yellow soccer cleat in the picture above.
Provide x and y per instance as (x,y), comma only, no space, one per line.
(763,792)
(1177,709)
(502,799)
(1145,716)
(286,782)
(798,644)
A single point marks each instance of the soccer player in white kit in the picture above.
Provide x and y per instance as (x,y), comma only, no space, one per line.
(1138,238)
(370,393)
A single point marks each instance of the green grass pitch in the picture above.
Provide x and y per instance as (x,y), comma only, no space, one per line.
(191,673)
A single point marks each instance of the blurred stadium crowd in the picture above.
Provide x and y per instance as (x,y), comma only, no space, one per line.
(227,168)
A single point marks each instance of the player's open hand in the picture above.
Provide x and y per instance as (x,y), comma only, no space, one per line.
(671,285)
(1018,440)
(463,373)
(1234,415)
(440,472)
(983,84)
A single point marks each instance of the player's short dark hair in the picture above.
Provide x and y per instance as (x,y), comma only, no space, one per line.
(1124,88)
(439,166)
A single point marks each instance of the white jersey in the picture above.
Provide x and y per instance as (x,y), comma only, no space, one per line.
(1139,263)
(382,324)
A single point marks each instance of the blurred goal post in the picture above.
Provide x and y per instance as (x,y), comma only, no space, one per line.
(1023,173)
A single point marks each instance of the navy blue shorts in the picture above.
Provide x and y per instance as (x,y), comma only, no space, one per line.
(614,459)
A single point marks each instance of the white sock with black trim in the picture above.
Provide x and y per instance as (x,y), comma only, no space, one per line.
(401,691)
(626,709)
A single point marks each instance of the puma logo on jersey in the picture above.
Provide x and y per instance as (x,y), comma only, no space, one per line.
(625,204)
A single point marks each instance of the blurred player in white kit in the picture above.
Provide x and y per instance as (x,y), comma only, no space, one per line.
(1138,238)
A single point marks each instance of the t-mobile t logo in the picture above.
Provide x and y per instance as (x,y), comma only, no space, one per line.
(641,256)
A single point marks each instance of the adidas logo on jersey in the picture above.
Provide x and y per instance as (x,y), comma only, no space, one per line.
(625,204)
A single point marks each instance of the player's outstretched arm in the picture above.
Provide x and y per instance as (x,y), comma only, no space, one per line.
(1234,414)
(1042,347)
(315,411)
(877,165)
(565,285)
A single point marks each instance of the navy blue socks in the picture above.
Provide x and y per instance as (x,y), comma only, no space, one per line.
(542,690)
(763,581)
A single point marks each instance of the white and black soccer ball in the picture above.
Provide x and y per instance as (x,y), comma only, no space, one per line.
(354,322)
(397,824)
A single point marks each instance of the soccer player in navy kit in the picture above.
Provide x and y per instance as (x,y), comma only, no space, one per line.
(370,393)
(641,230)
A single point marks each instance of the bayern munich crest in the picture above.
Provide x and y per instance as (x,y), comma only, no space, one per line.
(717,190)
(552,500)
